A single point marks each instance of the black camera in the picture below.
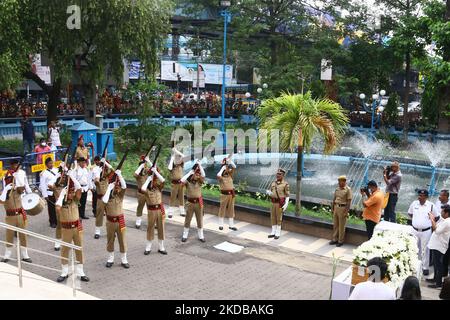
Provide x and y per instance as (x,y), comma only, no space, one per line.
(388,170)
(365,189)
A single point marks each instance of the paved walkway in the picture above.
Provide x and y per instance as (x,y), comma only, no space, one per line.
(294,267)
(290,240)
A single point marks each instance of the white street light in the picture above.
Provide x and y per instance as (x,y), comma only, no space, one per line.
(382,93)
(259,90)
(362,96)
(248,95)
(384,102)
(381,109)
(265,85)
(224,3)
(375,97)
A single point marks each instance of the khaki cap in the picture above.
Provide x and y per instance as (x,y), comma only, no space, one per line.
(342,178)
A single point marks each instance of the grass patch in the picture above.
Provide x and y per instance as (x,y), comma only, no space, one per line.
(13,145)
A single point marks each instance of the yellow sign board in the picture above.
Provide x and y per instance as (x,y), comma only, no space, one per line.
(2,172)
(41,167)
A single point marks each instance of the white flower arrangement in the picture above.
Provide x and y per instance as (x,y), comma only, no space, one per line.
(398,249)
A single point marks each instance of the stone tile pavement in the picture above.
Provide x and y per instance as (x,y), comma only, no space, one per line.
(294,267)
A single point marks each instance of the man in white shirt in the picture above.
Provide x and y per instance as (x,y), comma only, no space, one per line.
(95,173)
(440,202)
(439,244)
(419,210)
(438,205)
(82,175)
(374,288)
(48,178)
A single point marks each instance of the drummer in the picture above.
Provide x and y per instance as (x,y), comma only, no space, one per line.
(15,182)
(47,181)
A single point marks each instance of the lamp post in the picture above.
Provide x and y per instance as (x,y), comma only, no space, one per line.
(378,105)
(226,19)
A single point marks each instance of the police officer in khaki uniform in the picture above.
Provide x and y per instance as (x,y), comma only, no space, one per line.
(115,219)
(176,169)
(279,195)
(101,185)
(151,189)
(57,187)
(227,197)
(81,151)
(15,182)
(193,181)
(340,207)
(71,226)
(141,174)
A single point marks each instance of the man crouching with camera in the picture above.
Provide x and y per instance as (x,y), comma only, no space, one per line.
(372,206)
(393,178)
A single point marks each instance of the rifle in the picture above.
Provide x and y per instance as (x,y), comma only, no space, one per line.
(148,153)
(67,180)
(113,178)
(153,165)
(104,156)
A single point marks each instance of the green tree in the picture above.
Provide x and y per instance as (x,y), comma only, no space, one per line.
(434,27)
(391,111)
(299,118)
(401,19)
(110,32)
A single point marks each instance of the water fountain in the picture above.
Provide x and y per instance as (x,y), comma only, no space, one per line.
(361,159)
(436,154)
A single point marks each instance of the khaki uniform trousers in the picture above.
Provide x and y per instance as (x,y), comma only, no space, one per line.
(141,204)
(192,208)
(155,216)
(58,232)
(113,230)
(226,206)
(339,222)
(177,195)
(276,214)
(100,215)
(72,235)
(15,221)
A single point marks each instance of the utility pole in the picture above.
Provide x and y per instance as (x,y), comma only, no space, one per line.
(198,67)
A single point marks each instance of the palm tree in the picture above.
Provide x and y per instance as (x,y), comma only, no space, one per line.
(299,117)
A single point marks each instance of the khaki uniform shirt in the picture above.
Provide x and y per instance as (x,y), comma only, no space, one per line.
(141,180)
(81,153)
(226,183)
(69,212)
(194,189)
(13,201)
(154,196)
(280,189)
(342,195)
(115,203)
(101,186)
(177,172)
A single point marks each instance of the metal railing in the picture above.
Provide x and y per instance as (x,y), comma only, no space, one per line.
(18,246)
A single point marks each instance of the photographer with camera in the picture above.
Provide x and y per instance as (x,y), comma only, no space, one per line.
(372,206)
(393,178)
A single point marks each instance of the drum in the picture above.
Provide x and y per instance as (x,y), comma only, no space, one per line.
(33,204)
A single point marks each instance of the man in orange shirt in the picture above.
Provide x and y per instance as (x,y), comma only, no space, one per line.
(372,206)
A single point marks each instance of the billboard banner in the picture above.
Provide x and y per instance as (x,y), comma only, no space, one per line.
(211,73)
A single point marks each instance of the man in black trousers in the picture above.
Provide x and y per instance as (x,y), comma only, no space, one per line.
(82,175)
(96,170)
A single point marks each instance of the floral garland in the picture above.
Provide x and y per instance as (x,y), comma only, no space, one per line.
(398,249)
